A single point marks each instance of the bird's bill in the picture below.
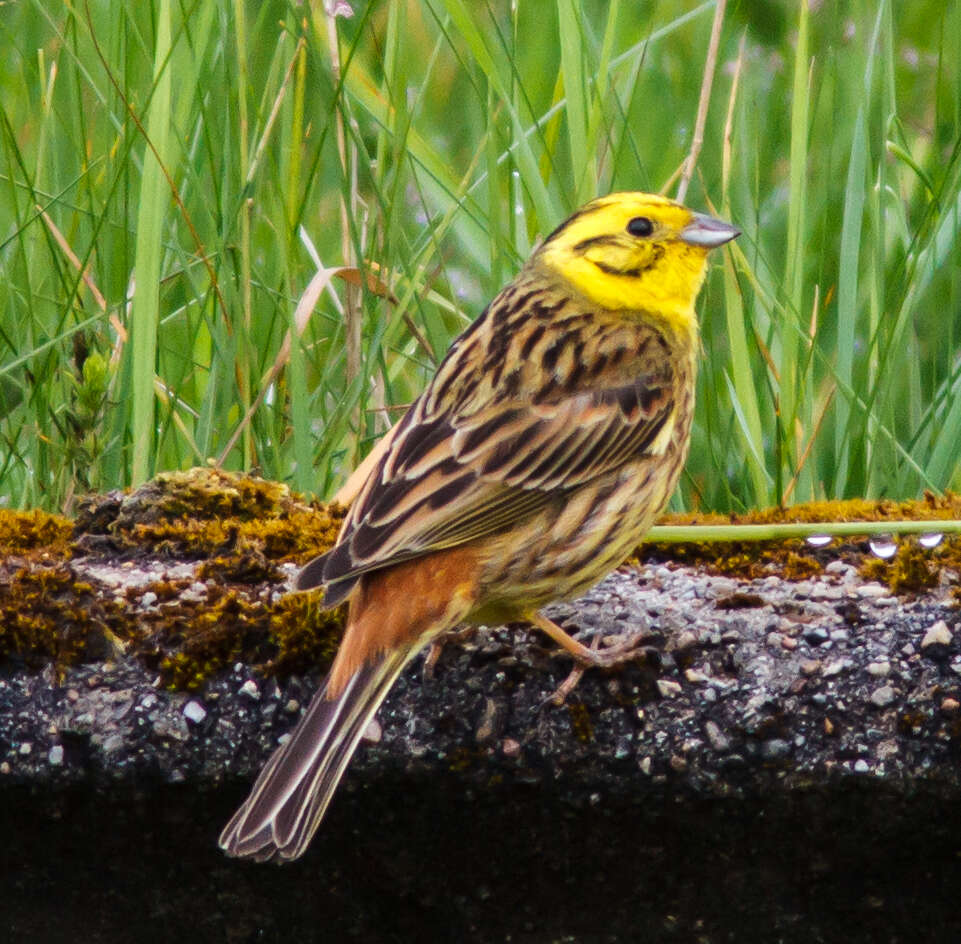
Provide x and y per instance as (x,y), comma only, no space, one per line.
(707,232)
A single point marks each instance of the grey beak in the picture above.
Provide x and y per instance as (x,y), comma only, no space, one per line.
(707,232)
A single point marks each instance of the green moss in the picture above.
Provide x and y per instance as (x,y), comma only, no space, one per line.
(304,633)
(190,643)
(914,568)
(241,528)
(48,615)
(33,533)
(208,512)
(911,570)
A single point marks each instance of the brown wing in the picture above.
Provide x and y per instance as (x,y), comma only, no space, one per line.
(452,476)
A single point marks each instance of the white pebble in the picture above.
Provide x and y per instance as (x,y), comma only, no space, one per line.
(937,635)
(194,711)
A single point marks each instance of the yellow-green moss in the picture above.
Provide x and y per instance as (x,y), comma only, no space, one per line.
(749,560)
(34,533)
(930,507)
(911,570)
(47,614)
(914,569)
(208,512)
(304,633)
(192,642)
(242,527)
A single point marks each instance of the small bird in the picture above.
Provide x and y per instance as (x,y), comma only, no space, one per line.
(551,436)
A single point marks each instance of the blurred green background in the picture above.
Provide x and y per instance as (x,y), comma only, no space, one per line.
(327,199)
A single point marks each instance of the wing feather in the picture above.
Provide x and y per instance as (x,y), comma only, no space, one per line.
(475,462)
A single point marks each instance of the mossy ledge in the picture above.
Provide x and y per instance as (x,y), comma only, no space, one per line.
(780,737)
(189,572)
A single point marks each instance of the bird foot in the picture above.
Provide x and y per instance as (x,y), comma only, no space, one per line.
(611,656)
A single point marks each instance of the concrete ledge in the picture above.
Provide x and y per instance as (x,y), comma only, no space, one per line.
(785,768)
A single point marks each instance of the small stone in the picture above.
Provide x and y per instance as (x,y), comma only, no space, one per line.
(789,643)
(667,688)
(250,689)
(719,740)
(950,706)
(937,640)
(879,669)
(4,768)
(55,757)
(887,749)
(623,748)
(810,666)
(645,766)
(678,763)
(148,599)
(775,749)
(292,706)
(26,748)
(883,696)
(373,732)
(510,747)
(194,711)
(836,667)
(861,767)
(72,695)
(695,677)
(872,591)
(817,635)
(685,640)
(112,744)
(167,727)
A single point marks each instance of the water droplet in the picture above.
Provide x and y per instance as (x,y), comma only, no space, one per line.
(930,539)
(883,546)
(819,540)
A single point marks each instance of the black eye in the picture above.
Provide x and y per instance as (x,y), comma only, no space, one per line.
(640,226)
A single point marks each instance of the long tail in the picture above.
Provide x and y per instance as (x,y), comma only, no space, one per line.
(291,795)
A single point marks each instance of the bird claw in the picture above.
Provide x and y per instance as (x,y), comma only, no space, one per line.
(594,657)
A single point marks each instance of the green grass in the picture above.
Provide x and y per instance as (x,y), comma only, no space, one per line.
(323,204)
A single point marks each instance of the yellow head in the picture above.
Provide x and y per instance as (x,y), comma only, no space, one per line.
(636,252)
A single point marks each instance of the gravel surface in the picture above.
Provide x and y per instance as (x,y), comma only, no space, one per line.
(783,766)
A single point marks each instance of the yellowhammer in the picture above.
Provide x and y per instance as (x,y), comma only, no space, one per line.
(551,436)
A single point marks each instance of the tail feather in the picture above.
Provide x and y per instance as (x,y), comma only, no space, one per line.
(291,795)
